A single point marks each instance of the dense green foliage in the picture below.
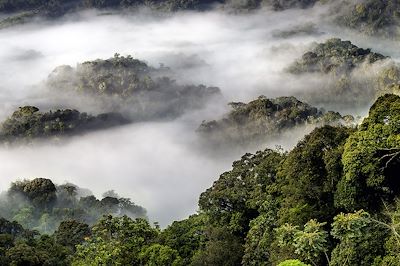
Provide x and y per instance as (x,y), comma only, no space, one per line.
(117,241)
(310,174)
(373,17)
(332,200)
(238,195)
(287,206)
(186,236)
(335,56)
(350,76)
(41,205)
(263,119)
(128,85)
(371,158)
(28,123)
(292,263)
(121,85)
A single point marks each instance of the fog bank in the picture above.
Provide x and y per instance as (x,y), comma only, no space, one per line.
(158,164)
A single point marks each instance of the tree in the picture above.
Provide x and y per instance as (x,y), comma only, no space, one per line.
(361,239)
(371,159)
(159,255)
(310,244)
(12,228)
(41,192)
(309,176)
(25,216)
(116,240)
(129,208)
(292,263)
(67,195)
(22,254)
(391,224)
(222,248)
(53,252)
(186,236)
(236,197)
(71,233)
(257,247)
(264,119)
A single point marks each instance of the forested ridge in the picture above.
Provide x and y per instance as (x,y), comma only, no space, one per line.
(28,123)
(332,200)
(370,17)
(263,119)
(350,75)
(124,89)
(126,85)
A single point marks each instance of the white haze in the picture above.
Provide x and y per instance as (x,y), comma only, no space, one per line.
(158,165)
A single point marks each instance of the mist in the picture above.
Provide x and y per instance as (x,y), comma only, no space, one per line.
(159,165)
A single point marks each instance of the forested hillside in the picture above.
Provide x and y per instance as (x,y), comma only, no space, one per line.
(315,178)
(130,86)
(332,200)
(349,75)
(127,90)
(265,119)
(369,17)
(28,123)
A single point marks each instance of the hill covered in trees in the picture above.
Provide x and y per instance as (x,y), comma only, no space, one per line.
(350,76)
(264,119)
(28,123)
(127,90)
(22,11)
(335,56)
(130,86)
(370,17)
(41,205)
(332,200)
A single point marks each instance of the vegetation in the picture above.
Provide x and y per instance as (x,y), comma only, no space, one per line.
(335,56)
(39,204)
(26,11)
(28,123)
(298,214)
(349,74)
(59,7)
(284,4)
(120,85)
(332,200)
(373,17)
(263,119)
(299,30)
(128,85)
(371,157)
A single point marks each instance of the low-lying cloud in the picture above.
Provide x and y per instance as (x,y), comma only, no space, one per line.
(159,165)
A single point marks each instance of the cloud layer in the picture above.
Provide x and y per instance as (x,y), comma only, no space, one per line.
(159,165)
